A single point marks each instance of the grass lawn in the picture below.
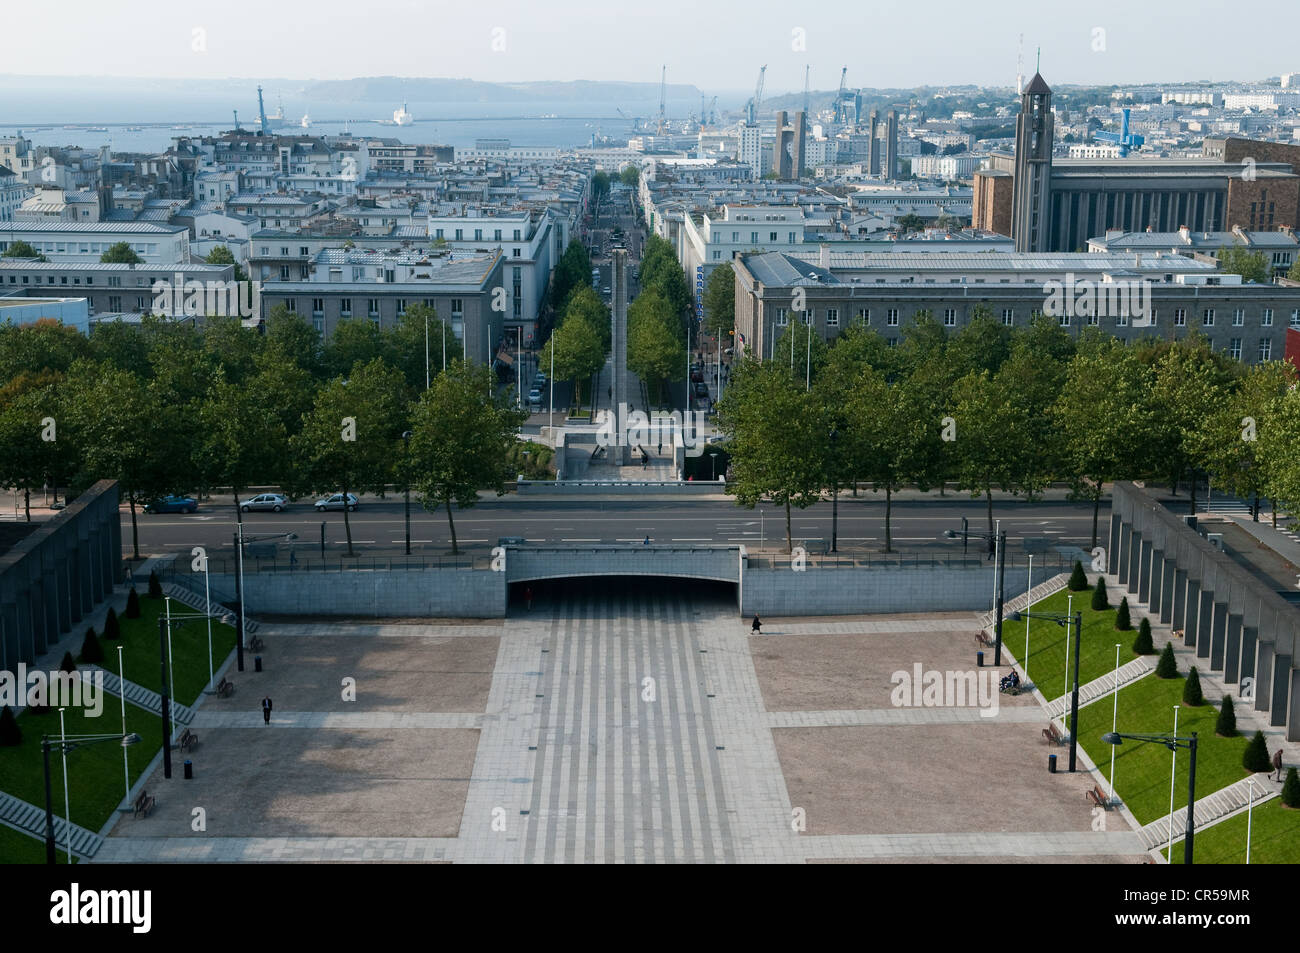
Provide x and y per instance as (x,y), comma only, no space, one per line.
(19,848)
(1142,770)
(1047,662)
(189,645)
(95,771)
(1274,838)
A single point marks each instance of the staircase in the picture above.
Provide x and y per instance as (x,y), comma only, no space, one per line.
(31,820)
(1027,599)
(1209,809)
(138,695)
(198,602)
(1101,687)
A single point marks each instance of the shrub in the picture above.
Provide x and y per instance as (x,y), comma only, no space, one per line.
(1255,758)
(1122,622)
(1167,667)
(1290,790)
(1099,600)
(1078,578)
(92,653)
(1143,645)
(155,587)
(1226,726)
(11,736)
(112,628)
(1192,694)
(133,604)
(67,665)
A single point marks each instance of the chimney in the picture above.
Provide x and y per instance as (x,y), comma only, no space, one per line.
(824,256)
(1185,234)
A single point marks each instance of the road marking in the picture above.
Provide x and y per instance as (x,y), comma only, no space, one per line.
(693,539)
(580,541)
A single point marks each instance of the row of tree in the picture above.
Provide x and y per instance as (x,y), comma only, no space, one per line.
(991,407)
(163,407)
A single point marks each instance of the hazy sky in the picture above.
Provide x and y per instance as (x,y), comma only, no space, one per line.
(716,44)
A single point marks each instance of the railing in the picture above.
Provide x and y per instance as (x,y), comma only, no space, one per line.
(869,560)
(292,563)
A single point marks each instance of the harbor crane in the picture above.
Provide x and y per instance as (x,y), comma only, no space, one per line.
(1124,139)
(751,110)
(807,91)
(663,94)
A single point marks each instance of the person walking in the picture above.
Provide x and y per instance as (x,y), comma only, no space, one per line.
(266,710)
(757,625)
(1277,763)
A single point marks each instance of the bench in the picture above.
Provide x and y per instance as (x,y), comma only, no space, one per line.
(187,741)
(225,688)
(1098,797)
(1053,734)
(255,644)
(143,804)
(983,638)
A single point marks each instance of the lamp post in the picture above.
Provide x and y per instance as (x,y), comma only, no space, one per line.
(1173,743)
(66,743)
(240,539)
(1065,620)
(126,768)
(1250,806)
(165,623)
(406,440)
(426,350)
(834,437)
(999,539)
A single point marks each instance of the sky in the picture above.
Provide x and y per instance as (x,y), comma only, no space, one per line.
(717,45)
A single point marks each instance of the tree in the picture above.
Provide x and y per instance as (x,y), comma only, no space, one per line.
(655,353)
(112,628)
(121,253)
(1291,789)
(356,341)
(1192,694)
(1255,758)
(91,651)
(33,452)
(21,249)
(909,223)
(1143,644)
(1167,667)
(985,423)
(720,300)
(1252,266)
(415,331)
(1294,273)
(800,349)
(233,346)
(660,269)
(291,337)
(222,255)
(1190,381)
(1226,724)
(240,444)
(578,353)
(1078,578)
(629,176)
(67,664)
(599,186)
(348,440)
(132,604)
(44,346)
(462,431)
(11,735)
(982,345)
(155,586)
(1279,435)
(1099,601)
(1122,621)
(767,418)
(572,271)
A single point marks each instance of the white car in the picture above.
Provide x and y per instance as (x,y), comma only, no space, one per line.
(335,502)
(275,502)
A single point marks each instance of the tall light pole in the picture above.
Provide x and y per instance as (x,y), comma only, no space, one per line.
(126,768)
(1114,720)
(406,440)
(999,539)
(1173,743)
(1250,805)
(1065,620)
(239,583)
(426,350)
(834,437)
(165,623)
(66,743)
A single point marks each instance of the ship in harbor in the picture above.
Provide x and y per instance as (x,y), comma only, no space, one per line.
(401,117)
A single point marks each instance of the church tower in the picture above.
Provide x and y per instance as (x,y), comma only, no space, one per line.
(1033,173)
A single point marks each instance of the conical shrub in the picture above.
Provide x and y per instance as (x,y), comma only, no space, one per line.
(132,604)
(1099,601)
(112,628)
(1122,622)
(1167,667)
(1192,695)
(155,587)
(1226,726)
(1290,790)
(1078,578)
(68,664)
(92,653)
(11,736)
(1255,757)
(1142,645)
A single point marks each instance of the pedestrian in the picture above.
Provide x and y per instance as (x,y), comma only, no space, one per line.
(646,541)
(528,597)
(293,558)
(757,625)
(266,710)
(1277,763)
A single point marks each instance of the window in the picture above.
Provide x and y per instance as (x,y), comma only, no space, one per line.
(781,319)
(1063,320)
(401,306)
(949,317)
(792,240)
(516,254)
(1266,318)
(437,233)
(372,307)
(1238,317)
(1094,319)
(460,234)
(291,305)
(1295,318)
(1207,318)
(284,272)
(807,316)
(115,281)
(317,306)
(753,237)
(478,234)
(1008,316)
(345,307)
(864,315)
(1265,349)
(457,307)
(1234,348)
(1180,317)
(114,302)
(284,250)
(303,251)
(891,318)
(832,317)
(716,254)
(318,322)
(141,303)
(771,237)
(517,235)
(1121,320)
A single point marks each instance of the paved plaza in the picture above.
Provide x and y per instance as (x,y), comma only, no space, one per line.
(619,721)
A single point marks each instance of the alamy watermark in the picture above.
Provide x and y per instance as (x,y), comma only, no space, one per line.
(37,689)
(1103,299)
(920,688)
(632,428)
(226,299)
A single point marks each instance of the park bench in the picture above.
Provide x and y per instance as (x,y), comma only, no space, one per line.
(1098,797)
(255,644)
(143,804)
(225,688)
(1053,734)
(982,637)
(187,741)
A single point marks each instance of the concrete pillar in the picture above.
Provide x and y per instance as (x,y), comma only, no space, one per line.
(1178,618)
(1232,650)
(1218,635)
(1168,583)
(1205,625)
(1134,561)
(1281,690)
(1293,715)
(1263,675)
(1112,544)
(1157,581)
(1193,612)
(618,348)
(1144,571)
(1249,639)
(1120,553)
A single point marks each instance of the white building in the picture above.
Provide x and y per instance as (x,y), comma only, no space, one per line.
(709,242)
(749,149)
(75,242)
(947,167)
(13,192)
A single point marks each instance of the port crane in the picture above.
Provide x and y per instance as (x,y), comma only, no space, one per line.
(1124,139)
(751,109)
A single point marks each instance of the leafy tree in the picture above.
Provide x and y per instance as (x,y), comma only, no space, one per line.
(123,345)
(1255,758)
(112,628)
(44,346)
(132,604)
(121,253)
(233,346)
(292,337)
(462,431)
(1122,621)
(240,443)
(1099,601)
(348,441)
(1226,724)
(1252,266)
(1167,667)
(356,341)
(629,176)
(803,348)
(986,422)
(599,186)
(1279,435)
(1190,382)
(91,651)
(1143,644)
(584,303)
(982,345)
(660,269)
(21,249)
(578,353)
(720,300)
(1078,578)
(910,223)
(572,271)
(1294,273)
(408,343)
(34,452)
(923,340)
(654,352)
(1192,694)
(222,255)
(1291,789)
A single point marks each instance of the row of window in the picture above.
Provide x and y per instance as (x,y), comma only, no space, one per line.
(372,306)
(478,234)
(143,249)
(949,316)
(113,281)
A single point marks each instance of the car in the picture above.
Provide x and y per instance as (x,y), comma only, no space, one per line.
(540,380)
(702,390)
(697,376)
(335,502)
(172,504)
(274,502)
(535,397)
(605,290)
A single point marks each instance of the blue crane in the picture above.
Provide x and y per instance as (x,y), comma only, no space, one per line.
(1124,139)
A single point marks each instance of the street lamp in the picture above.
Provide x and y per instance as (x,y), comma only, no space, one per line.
(713,462)
(240,539)
(834,437)
(1064,620)
(1173,743)
(999,539)
(406,440)
(67,743)
(165,623)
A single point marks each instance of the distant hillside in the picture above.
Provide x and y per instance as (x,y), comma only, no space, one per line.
(393,89)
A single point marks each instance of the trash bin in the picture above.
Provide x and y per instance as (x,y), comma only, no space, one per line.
(979,659)
(189,769)
(257,663)
(1051,764)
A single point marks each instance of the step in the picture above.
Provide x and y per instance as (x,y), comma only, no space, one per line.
(31,819)
(138,695)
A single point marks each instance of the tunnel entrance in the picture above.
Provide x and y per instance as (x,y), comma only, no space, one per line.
(617,594)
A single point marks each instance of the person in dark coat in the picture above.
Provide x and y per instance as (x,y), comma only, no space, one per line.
(757,625)
(266,709)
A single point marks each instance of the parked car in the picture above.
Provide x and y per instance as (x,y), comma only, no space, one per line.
(702,390)
(697,376)
(535,398)
(335,502)
(274,502)
(540,380)
(172,504)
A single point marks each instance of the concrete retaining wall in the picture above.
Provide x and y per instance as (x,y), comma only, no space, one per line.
(429,593)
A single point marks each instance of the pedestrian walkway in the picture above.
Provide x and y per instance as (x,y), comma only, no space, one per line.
(1103,686)
(1209,810)
(30,819)
(972,844)
(1004,714)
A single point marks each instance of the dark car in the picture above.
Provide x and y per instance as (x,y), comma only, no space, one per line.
(697,376)
(172,504)
(702,390)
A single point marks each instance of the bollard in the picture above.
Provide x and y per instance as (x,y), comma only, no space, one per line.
(979,659)
(257,663)
(189,769)
(1051,764)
